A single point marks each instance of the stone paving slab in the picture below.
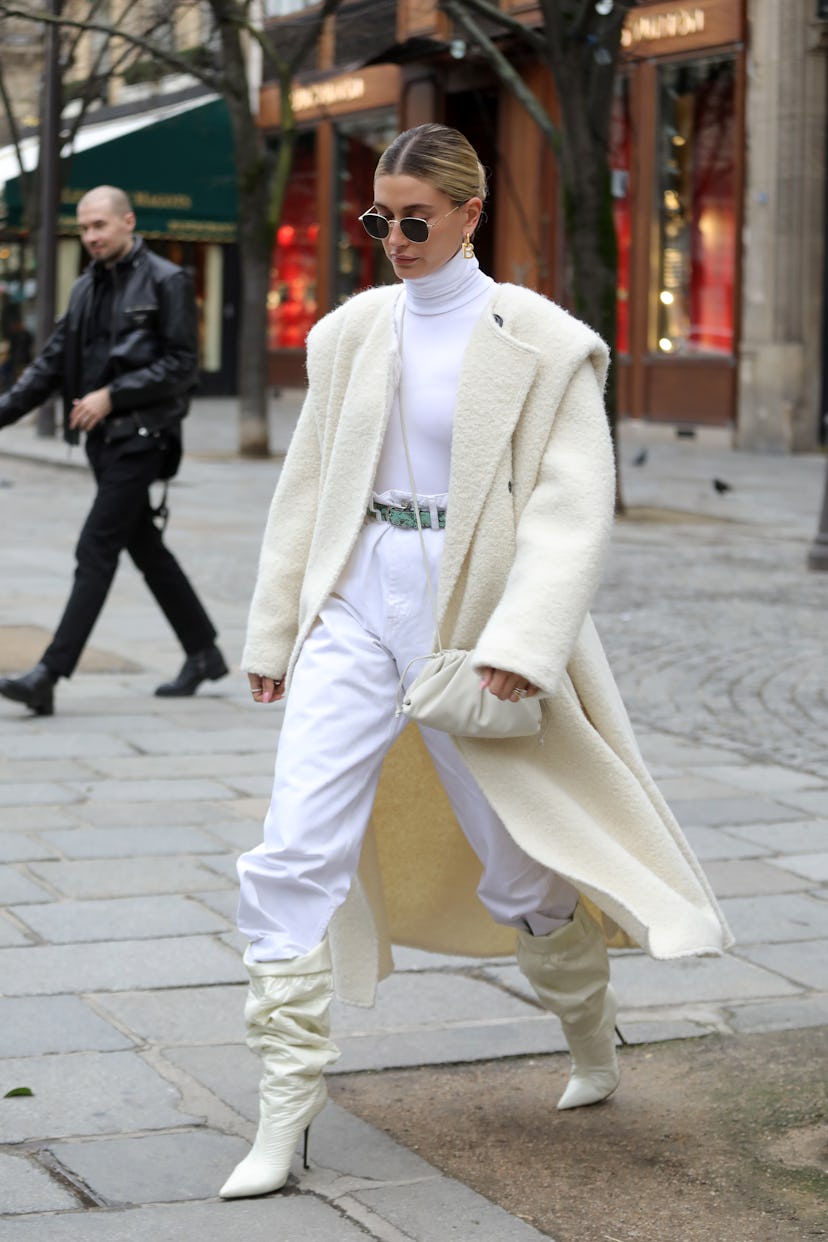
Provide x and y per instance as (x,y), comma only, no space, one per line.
(815,802)
(87,1093)
(343,1144)
(18,795)
(805,962)
(10,933)
(794,916)
(766,778)
(154,1168)
(641,982)
(184,1015)
(36,1025)
(157,814)
(446,1211)
(780,1015)
(76,843)
(231,1072)
(261,740)
(416,1002)
(168,962)
(225,765)
(15,887)
(741,877)
(32,819)
(41,745)
(717,844)
(727,812)
(103,877)
(25,1187)
(127,918)
(31,771)
(224,902)
(798,837)
(813,867)
(146,791)
(296,1217)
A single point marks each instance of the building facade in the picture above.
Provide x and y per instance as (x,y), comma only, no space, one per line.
(718,170)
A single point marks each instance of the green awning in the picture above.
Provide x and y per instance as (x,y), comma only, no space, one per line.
(177,170)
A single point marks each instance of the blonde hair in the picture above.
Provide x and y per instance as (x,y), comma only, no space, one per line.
(440,155)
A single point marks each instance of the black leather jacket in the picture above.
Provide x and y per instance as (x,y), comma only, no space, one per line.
(153,356)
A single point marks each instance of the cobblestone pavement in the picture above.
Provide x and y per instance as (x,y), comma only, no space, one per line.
(121,816)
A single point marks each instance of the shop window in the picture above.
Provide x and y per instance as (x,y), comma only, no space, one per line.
(291,300)
(360,262)
(620,132)
(693,299)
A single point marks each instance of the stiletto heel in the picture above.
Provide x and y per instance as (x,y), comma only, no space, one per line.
(305,1164)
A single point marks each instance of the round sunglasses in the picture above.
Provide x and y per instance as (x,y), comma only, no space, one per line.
(412,227)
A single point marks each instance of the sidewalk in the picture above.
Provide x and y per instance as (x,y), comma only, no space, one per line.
(120,819)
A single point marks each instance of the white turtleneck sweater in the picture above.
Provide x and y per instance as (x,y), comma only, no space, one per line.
(440,311)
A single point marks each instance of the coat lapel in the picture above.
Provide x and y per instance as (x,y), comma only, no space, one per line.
(366,402)
(495,377)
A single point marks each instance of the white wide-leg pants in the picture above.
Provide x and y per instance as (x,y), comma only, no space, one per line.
(339,724)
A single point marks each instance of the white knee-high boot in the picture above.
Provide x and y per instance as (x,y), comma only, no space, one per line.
(569,970)
(288,1024)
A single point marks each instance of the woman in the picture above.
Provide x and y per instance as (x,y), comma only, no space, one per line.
(501,392)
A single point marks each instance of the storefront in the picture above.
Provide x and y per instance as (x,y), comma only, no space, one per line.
(678,171)
(177,166)
(321,254)
(677,175)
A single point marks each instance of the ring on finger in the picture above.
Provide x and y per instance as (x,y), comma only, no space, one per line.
(520,692)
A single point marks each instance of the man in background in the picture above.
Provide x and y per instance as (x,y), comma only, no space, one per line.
(124,357)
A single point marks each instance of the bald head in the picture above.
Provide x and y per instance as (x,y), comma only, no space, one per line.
(106,223)
(117,200)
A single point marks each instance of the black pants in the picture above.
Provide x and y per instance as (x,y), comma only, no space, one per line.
(121,519)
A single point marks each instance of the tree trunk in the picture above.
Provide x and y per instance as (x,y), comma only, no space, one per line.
(588,216)
(254,254)
(254,165)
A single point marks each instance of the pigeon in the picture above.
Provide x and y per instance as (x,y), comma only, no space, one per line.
(721,487)
(640,459)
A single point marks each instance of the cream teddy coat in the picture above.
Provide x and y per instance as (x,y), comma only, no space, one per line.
(530,510)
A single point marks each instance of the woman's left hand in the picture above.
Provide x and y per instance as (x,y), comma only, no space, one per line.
(505,685)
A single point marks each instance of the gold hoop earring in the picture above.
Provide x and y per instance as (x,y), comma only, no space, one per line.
(468,247)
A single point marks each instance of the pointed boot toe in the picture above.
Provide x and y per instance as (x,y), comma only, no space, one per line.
(589,1088)
(267,1166)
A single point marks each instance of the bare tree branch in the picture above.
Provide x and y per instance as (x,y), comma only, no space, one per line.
(511,24)
(210,78)
(504,69)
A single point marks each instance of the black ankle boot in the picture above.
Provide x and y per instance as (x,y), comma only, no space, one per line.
(34,689)
(206,665)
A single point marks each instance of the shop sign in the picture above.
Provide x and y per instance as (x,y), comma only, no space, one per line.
(327,94)
(678,23)
(375,86)
(669,28)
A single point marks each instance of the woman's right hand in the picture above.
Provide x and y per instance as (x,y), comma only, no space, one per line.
(265,689)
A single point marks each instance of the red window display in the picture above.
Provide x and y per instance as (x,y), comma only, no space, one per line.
(291,302)
(696,208)
(622,210)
